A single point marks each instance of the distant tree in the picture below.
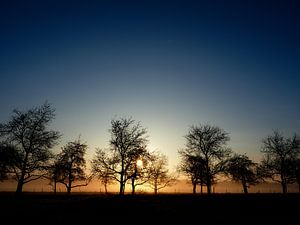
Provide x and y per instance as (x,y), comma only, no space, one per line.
(296,171)
(241,169)
(70,165)
(194,168)
(295,164)
(208,143)
(101,168)
(27,132)
(279,152)
(56,173)
(7,160)
(159,176)
(128,143)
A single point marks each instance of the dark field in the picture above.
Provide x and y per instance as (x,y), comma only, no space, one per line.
(149,209)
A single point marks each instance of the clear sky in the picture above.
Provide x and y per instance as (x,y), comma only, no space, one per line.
(168,64)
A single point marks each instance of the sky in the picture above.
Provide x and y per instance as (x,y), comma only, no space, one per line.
(167,64)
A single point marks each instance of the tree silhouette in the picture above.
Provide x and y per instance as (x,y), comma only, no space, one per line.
(279,153)
(127,144)
(194,168)
(296,172)
(241,169)
(208,143)
(295,166)
(55,173)
(70,165)
(159,176)
(140,173)
(27,132)
(102,170)
(7,160)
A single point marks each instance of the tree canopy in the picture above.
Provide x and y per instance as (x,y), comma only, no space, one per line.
(279,154)
(29,135)
(209,143)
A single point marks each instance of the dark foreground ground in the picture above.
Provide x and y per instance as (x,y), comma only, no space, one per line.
(148,209)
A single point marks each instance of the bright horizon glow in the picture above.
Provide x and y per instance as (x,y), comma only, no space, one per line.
(139,163)
(167,64)
(183,186)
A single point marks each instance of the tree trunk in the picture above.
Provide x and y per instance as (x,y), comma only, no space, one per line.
(105,187)
(208,178)
(55,187)
(245,187)
(69,187)
(21,180)
(69,190)
(20,185)
(155,187)
(208,187)
(121,185)
(284,187)
(283,183)
(194,187)
(122,180)
(123,188)
(132,186)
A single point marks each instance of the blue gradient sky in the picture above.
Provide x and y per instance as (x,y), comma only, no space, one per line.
(168,64)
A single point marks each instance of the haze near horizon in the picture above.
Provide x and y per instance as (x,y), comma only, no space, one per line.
(168,64)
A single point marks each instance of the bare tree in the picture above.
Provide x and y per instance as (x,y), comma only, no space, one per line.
(140,172)
(71,165)
(56,173)
(103,169)
(28,133)
(194,168)
(209,143)
(241,169)
(128,143)
(279,152)
(159,176)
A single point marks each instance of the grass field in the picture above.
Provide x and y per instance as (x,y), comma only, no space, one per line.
(41,208)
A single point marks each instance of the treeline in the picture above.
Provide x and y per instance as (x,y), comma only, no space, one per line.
(206,156)
(26,142)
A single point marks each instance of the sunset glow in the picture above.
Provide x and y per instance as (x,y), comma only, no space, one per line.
(168,65)
(150,112)
(139,163)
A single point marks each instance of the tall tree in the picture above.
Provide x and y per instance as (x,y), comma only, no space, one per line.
(159,176)
(71,165)
(209,143)
(194,168)
(241,169)
(279,152)
(127,143)
(28,133)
